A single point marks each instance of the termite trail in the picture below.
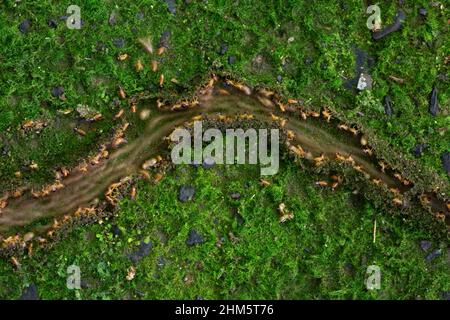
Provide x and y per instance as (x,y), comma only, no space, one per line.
(314,137)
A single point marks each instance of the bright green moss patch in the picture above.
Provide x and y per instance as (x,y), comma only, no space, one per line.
(246,254)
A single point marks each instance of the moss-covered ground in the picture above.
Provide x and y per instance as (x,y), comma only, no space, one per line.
(303,49)
(322,253)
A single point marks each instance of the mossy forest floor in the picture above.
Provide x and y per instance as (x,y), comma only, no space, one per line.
(243,252)
(303,49)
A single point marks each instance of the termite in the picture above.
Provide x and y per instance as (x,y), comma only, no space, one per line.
(368,151)
(79,131)
(354,131)
(303,115)
(382,165)
(119,114)
(326,114)
(158,177)
(122,93)
(154,65)
(314,114)
(122,57)
(161,50)
(376,181)
(138,65)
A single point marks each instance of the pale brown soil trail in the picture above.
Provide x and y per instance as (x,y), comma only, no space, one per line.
(82,189)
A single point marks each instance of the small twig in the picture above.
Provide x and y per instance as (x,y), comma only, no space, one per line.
(375,231)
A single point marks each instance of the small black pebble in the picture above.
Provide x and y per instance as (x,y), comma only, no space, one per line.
(349,269)
(116,231)
(419,149)
(24,25)
(141,252)
(432,255)
(171,6)
(434,106)
(186,193)
(30,293)
(194,238)
(119,42)
(425,245)
(231,59)
(445,158)
(139,16)
(423,12)
(279,78)
(223,49)
(57,91)
(161,261)
(52,23)
(388,106)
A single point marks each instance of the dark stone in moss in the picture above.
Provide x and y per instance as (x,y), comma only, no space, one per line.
(231,59)
(52,23)
(432,255)
(445,295)
(223,49)
(171,6)
(24,26)
(164,39)
(388,106)
(161,262)
(30,293)
(445,158)
(279,78)
(116,231)
(139,16)
(194,238)
(419,149)
(423,12)
(112,20)
(186,193)
(425,245)
(397,25)
(141,252)
(119,42)
(349,269)
(58,91)
(434,105)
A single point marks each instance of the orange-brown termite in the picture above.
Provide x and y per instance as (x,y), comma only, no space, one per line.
(119,114)
(161,50)
(122,94)
(138,65)
(79,131)
(326,114)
